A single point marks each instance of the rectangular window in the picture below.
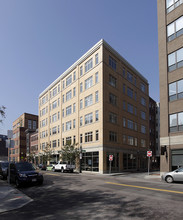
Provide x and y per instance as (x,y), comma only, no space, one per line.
(81,138)
(81,87)
(68,110)
(112,81)
(176,122)
(175,29)
(112,99)
(88,100)
(54,130)
(89,65)
(81,104)
(129,77)
(113,118)
(29,124)
(88,118)
(96,96)
(96,77)
(74,139)
(176,90)
(96,116)
(58,143)
(58,129)
(54,91)
(135,142)
(68,80)
(58,101)
(97,135)
(74,123)
(143,129)
(172,4)
(63,127)
(68,95)
(63,142)
(54,104)
(112,63)
(74,91)
(74,107)
(175,60)
(143,115)
(96,59)
(143,143)
(58,115)
(68,126)
(130,108)
(143,101)
(88,137)
(124,72)
(130,140)
(124,122)
(88,83)
(34,125)
(54,117)
(130,92)
(63,84)
(63,113)
(63,99)
(81,70)
(81,121)
(130,124)
(74,76)
(68,140)
(112,136)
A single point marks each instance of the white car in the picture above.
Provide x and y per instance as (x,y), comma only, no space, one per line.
(176,175)
(62,167)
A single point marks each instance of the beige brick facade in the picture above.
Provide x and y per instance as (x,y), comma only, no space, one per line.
(96,105)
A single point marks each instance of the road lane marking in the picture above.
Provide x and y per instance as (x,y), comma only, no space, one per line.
(52,174)
(143,187)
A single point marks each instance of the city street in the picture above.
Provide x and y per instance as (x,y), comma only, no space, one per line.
(95,196)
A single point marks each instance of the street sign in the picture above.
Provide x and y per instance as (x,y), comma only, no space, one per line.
(110,157)
(149,153)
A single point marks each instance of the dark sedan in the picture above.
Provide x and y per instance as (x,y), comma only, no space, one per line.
(24,173)
(4,169)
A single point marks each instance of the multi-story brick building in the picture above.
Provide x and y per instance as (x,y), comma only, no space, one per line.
(102,103)
(170,34)
(3,148)
(25,121)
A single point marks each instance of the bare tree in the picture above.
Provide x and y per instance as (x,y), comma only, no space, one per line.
(2,113)
(70,153)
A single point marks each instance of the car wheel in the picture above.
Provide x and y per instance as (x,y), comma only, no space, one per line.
(17,183)
(169,179)
(62,170)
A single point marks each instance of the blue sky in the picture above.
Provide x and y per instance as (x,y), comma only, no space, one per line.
(39,40)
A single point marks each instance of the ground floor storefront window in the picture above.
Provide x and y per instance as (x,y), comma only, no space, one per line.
(129,161)
(177,158)
(90,161)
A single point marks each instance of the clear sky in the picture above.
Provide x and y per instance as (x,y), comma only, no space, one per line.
(40,39)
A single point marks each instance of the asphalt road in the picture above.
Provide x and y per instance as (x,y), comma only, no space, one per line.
(88,196)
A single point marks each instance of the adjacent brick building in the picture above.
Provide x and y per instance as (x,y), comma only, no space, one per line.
(20,125)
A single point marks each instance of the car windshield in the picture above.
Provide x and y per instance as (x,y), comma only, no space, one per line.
(24,167)
(180,169)
(4,165)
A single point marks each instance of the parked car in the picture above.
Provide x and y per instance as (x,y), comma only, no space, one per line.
(49,167)
(42,166)
(4,169)
(62,167)
(24,173)
(176,175)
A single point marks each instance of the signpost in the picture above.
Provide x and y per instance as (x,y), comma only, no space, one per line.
(110,160)
(149,154)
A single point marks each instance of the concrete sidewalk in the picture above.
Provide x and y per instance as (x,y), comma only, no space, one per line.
(11,198)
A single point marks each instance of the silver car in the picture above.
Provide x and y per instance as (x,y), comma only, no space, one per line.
(176,175)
